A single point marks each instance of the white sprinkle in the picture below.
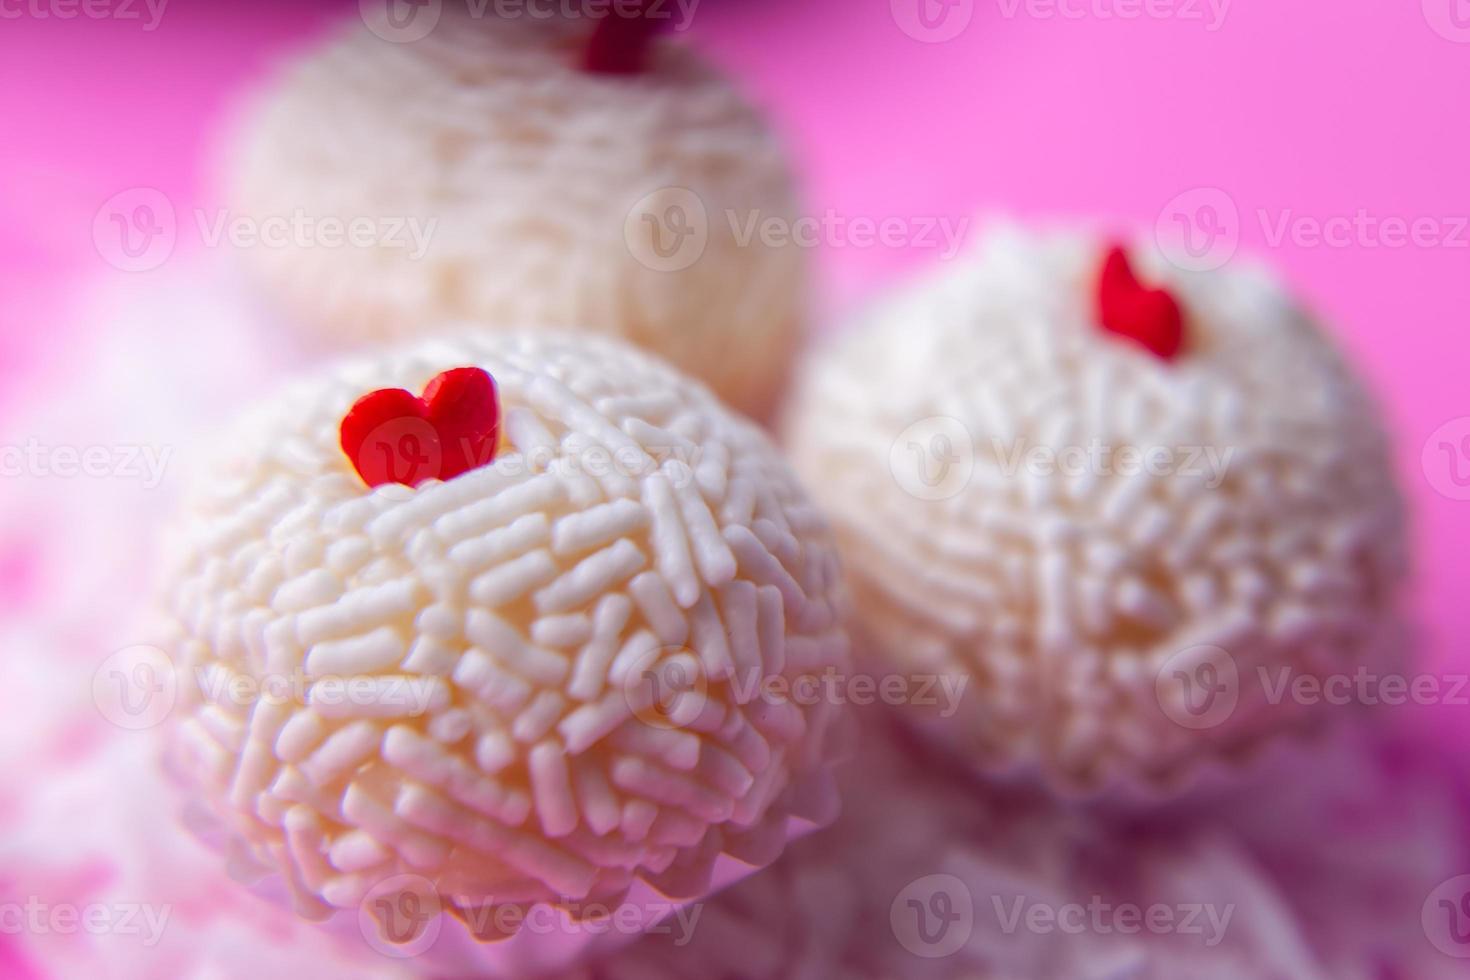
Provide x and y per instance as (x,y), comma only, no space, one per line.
(652,595)
(710,473)
(351,515)
(669,540)
(562,632)
(674,748)
(378,650)
(228,728)
(739,506)
(362,608)
(424,760)
(778,542)
(432,500)
(314,588)
(1094,604)
(656,405)
(661,440)
(212,761)
(538,717)
(356,851)
(506,583)
(599,802)
(305,840)
(638,818)
(1053,575)
(677,829)
(535,496)
(590,577)
(431,655)
(710,641)
(762,566)
(440,620)
(564,874)
(769,507)
(388,825)
(377,696)
(781,721)
(349,554)
(590,723)
(1127,492)
(252,774)
(590,672)
(738,603)
(711,553)
(1136,599)
(555,399)
(749,746)
(662,786)
(597,526)
(341,752)
(551,784)
(302,732)
(527,434)
(725,772)
(1152,522)
(501,640)
(503,543)
(451,727)
(771,627)
(636,651)
(494,751)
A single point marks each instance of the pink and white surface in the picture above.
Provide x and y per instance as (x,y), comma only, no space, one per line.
(1320,136)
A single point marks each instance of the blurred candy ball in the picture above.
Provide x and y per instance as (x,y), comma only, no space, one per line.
(929,877)
(1134,512)
(563,670)
(482,173)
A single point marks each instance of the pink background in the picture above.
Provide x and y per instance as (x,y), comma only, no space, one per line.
(1318,108)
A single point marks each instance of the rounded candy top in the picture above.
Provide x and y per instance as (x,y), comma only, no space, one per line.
(481,173)
(1120,550)
(530,683)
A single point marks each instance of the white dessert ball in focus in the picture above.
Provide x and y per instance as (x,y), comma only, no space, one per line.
(1132,510)
(482,173)
(564,669)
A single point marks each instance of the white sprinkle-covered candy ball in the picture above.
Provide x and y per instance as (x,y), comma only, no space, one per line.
(1132,561)
(532,683)
(492,179)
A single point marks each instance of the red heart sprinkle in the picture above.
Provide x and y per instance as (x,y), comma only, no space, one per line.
(391,436)
(619,44)
(1152,317)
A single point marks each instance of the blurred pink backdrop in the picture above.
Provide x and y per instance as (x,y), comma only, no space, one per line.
(1294,112)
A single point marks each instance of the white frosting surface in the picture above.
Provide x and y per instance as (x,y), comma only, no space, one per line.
(946,439)
(531,180)
(456,674)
